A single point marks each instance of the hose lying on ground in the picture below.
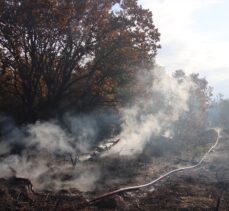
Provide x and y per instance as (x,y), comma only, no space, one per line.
(159,178)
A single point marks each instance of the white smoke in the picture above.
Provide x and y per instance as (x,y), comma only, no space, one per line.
(45,145)
(154,114)
(49,136)
(41,157)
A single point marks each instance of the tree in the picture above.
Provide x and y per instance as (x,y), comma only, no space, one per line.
(219,112)
(200,98)
(59,53)
(215,112)
(224,113)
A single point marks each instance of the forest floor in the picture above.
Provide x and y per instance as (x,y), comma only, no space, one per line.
(203,188)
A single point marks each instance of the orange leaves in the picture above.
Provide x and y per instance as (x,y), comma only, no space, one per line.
(57,49)
(102,86)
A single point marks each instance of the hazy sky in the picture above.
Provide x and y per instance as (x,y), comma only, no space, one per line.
(194,37)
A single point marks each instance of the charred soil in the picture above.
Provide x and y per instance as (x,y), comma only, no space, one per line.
(204,188)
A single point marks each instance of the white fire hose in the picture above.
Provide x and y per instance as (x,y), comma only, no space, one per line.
(159,178)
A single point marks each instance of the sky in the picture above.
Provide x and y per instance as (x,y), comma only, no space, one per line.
(194,38)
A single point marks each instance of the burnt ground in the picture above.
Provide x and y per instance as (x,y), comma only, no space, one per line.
(204,188)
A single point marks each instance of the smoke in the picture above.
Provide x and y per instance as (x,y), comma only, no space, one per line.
(153,114)
(43,155)
(45,152)
(89,130)
(49,136)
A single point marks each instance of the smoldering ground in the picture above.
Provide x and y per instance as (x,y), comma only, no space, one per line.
(46,152)
(42,152)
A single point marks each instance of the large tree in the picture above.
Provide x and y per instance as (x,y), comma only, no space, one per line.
(81,52)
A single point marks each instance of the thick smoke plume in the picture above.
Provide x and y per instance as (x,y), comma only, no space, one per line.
(155,113)
(46,152)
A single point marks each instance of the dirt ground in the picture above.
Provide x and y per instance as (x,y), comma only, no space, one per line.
(204,188)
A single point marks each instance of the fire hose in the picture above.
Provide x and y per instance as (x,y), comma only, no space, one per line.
(159,178)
